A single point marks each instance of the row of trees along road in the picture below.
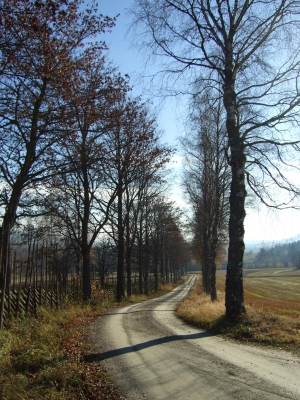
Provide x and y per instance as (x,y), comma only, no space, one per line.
(247,53)
(73,144)
(206,182)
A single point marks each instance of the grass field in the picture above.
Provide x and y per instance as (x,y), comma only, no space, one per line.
(272,300)
(275,290)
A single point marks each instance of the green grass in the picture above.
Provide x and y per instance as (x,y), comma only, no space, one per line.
(40,357)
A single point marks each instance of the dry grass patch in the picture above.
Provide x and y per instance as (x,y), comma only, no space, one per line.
(41,358)
(198,309)
(163,288)
(261,324)
(45,357)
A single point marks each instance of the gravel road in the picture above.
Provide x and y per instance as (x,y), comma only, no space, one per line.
(151,354)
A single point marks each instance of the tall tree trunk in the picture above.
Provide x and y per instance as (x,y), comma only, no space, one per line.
(85,248)
(17,188)
(129,270)
(167,265)
(86,273)
(214,238)
(141,256)
(205,261)
(234,299)
(146,276)
(129,244)
(120,267)
(155,273)
(8,222)
(4,273)
(140,265)
(212,269)
(162,262)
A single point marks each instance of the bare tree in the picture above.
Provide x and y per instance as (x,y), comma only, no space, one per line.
(105,258)
(40,41)
(163,232)
(149,183)
(80,193)
(136,157)
(206,181)
(249,50)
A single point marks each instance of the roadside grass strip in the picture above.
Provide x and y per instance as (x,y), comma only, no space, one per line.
(272,317)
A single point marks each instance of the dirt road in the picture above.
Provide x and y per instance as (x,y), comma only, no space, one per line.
(151,354)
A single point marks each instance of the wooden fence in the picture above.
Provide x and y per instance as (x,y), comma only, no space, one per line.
(26,301)
(48,277)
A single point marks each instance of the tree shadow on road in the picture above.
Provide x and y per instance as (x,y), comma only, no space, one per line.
(135,312)
(144,345)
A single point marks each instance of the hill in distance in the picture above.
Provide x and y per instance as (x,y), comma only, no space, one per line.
(256,245)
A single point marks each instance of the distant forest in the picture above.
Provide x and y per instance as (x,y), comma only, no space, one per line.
(280,256)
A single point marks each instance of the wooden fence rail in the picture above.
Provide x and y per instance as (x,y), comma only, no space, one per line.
(26,301)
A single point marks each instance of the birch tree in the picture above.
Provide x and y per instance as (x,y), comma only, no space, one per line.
(249,49)
(206,180)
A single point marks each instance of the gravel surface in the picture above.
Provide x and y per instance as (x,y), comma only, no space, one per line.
(151,354)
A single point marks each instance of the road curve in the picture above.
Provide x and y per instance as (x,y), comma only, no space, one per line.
(151,354)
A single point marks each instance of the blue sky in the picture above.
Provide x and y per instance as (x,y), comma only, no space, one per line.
(261,224)
(129,61)
(124,57)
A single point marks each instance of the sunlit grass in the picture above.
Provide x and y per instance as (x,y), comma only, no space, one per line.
(276,294)
(198,309)
(163,288)
(271,318)
(34,362)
